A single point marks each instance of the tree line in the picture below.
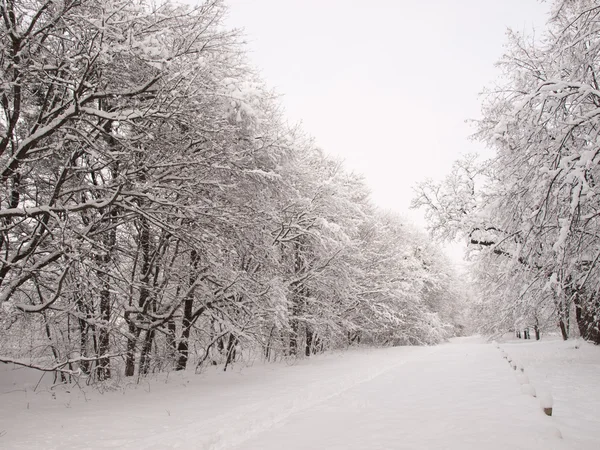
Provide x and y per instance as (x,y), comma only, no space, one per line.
(157,210)
(530,214)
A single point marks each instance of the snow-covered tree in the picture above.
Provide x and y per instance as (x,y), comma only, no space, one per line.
(155,209)
(537,209)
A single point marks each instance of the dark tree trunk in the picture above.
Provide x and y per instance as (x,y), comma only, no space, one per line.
(268,346)
(587,314)
(103,368)
(131,345)
(182,350)
(563,330)
(84,328)
(309,341)
(563,316)
(231,352)
(188,305)
(144,241)
(220,338)
(172,337)
(83,339)
(183,346)
(318,345)
(104,308)
(354,337)
(144,363)
(294,337)
(103,260)
(298,299)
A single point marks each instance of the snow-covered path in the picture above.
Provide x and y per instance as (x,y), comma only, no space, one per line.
(461,395)
(458,396)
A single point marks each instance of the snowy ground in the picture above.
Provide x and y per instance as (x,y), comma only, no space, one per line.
(461,395)
(570,372)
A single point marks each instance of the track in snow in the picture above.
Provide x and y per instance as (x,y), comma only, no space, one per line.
(461,395)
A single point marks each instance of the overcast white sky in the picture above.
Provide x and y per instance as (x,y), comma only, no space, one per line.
(385,84)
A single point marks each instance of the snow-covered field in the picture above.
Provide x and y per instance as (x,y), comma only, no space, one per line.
(570,372)
(461,395)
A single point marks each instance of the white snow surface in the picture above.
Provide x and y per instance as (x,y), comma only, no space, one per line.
(459,395)
(567,375)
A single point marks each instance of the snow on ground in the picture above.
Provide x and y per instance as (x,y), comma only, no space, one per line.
(461,395)
(570,372)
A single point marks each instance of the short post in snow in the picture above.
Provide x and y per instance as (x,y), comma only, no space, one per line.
(546,402)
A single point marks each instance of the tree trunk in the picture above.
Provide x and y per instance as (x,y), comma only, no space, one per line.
(354,337)
(183,346)
(103,368)
(563,330)
(103,261)
(231,352)
(188,305)
(143,243)
(268,346)
(563,318)
(294,337)
(298,299)
(587,314)
(84,328)
(317,345)
(144,364)
(131,345)
(309,341)
(109,240)
(171,337)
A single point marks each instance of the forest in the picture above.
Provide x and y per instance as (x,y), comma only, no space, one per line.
(157,211)
(530,214)
(184,265)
